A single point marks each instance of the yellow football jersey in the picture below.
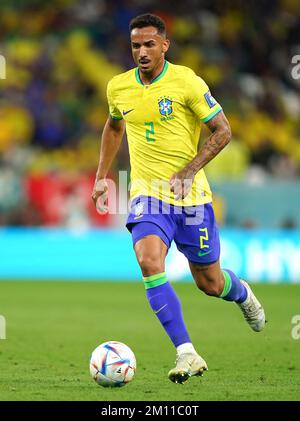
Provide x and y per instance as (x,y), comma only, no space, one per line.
(163,123)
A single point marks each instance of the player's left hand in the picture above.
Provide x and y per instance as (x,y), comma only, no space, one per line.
(181,183)
(100,196)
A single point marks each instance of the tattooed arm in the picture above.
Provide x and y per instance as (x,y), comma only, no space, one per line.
(182,181)
(220,137)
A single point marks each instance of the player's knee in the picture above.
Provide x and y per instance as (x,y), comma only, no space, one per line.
(150,264)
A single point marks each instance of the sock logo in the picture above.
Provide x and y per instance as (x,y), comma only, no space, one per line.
(157,311)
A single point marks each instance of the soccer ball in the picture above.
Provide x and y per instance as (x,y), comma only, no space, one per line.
(112,364)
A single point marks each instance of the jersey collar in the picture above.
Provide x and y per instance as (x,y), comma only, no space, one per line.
(158,77)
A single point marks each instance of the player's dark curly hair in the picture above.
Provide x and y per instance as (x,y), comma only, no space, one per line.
(142,21)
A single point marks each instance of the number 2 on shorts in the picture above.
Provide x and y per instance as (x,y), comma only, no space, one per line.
(203,237)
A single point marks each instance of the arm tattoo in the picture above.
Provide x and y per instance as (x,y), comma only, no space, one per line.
(214,144)
(219,138)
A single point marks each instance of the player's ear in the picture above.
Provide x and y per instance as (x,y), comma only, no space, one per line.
(166,45)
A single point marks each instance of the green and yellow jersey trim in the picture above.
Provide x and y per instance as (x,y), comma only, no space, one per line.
(158,77)
(116,118)
(212,114)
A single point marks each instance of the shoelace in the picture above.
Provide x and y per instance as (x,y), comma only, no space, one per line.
(250,311)
(178,357)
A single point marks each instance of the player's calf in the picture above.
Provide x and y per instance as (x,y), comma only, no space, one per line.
(208,278)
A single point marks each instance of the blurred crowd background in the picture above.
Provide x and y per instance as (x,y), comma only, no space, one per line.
(61,54)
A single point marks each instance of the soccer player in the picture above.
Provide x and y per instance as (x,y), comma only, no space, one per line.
(162,106)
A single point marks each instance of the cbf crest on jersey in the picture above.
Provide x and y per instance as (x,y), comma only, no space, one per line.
(165,107)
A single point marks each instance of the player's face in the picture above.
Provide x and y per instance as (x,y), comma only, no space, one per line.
(148,48)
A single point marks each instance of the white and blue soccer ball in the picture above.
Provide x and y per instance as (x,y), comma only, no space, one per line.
(112,364)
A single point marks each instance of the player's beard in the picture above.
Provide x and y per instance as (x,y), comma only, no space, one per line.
(146,70)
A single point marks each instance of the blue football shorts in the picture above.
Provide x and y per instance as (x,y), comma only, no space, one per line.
(193,228)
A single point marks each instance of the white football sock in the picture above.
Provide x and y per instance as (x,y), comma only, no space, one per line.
(186,348)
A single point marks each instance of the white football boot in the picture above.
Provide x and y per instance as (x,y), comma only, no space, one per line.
(252,310)
(187,365)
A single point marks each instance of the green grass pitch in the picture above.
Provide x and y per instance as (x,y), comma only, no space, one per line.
(52,328)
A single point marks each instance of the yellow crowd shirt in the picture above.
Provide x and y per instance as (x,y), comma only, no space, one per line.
(163,123)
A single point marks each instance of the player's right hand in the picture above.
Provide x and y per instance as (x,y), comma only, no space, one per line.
(100,196)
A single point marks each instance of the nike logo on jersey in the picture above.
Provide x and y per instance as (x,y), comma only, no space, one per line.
(201,253)
(129,111)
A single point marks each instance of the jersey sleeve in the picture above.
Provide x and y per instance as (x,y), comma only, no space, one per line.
(200,100)
(113,110)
